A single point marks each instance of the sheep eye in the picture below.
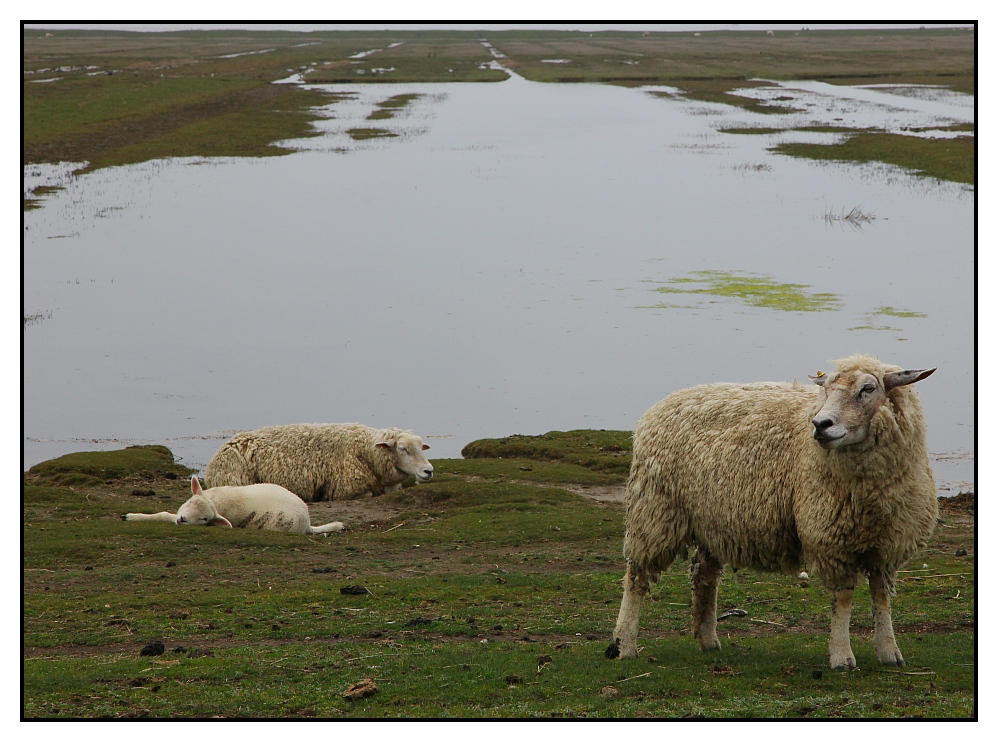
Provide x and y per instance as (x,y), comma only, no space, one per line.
(868,389)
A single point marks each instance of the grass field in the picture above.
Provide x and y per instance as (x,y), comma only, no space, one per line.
(112,98)
(491,592)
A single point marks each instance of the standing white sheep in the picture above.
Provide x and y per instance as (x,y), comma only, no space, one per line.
(771,475)
(322,462)
(264,506)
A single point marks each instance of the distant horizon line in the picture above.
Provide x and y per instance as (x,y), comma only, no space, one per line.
(554,26)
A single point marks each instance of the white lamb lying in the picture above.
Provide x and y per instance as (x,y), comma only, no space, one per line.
(265,506)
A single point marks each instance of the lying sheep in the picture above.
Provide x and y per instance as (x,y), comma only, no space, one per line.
(771,475)
(265,506)
(322,462)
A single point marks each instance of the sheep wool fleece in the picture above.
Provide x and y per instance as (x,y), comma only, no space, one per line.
(733,468)
(316,462)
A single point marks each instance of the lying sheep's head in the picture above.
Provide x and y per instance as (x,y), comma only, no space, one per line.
(850,399)
(408,450)
(200,510)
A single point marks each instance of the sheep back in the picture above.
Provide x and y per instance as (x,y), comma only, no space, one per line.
(317,462)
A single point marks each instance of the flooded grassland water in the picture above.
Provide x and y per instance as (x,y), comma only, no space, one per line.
(519,257)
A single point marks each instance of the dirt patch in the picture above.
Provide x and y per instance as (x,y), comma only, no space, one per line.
(361,513)
(610,495)
(965,502)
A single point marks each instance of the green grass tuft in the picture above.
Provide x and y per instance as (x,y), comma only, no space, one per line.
(599,450)
(147,461)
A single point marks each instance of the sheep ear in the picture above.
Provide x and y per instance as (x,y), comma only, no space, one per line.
(820,379)
(383,444)
(901,378)
(425,447)
(195,486)
(219,520)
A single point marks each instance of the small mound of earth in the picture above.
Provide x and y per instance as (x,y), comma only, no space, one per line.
(965,502)
(361,689)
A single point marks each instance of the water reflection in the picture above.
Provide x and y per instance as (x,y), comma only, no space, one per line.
(478,275)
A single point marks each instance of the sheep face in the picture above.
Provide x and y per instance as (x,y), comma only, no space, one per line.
(849,402)
(407,449)
(200,510)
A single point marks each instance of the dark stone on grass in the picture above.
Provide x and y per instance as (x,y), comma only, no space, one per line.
(171,564)
(143,493)
(169,474)
(816,674)
(613,651)
(419,621)
(513,679)
(355,590)
(322,570)
(153,649)
(961,552)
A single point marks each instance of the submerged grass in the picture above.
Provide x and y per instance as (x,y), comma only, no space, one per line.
(485,598)
(950,159)
(754,290)
(388,108)
(945,159)
(361,133)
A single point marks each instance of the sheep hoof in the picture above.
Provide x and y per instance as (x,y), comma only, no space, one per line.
(895,660)
(849,663)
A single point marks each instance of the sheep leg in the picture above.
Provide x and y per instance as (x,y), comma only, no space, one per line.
(636,587)
(163,517)
(328,528)
(705,574)
(839,648)
(883,627)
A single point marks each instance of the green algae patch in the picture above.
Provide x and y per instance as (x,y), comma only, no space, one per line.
(140,461)
(754,290)
(871,318)
(894,312)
